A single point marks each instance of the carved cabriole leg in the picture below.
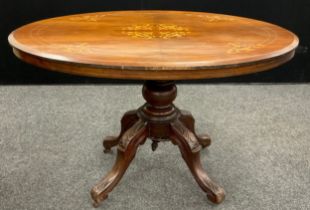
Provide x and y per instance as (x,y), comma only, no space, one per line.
(190,150)
(127,121)
(128,145)
(188,120)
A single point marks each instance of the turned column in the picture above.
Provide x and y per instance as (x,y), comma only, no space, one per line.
(159,110)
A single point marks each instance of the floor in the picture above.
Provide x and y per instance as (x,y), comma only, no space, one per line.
(51,150)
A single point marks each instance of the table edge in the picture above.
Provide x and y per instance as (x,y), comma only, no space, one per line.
(99,71)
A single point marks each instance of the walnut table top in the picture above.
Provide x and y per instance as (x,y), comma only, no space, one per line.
(154,45)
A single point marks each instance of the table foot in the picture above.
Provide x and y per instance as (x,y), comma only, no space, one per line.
(127,147)
(127,121)
(188,120)
(190,150)
(109,142)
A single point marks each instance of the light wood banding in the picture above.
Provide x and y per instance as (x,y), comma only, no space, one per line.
(154,45)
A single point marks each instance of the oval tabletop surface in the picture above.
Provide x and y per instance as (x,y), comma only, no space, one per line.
(154,45)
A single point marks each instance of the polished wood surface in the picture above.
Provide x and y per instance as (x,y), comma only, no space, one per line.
(158,120)
(154,45)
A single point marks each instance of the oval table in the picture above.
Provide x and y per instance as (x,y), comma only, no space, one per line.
(158,47)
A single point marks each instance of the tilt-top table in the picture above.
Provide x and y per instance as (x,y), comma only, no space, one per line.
(158,47)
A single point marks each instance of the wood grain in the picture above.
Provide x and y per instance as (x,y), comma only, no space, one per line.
(154,45)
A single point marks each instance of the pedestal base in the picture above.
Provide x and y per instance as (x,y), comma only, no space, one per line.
(158,120)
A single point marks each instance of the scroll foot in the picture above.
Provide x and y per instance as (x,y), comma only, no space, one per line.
(109,142)
(190,150)
(204,140)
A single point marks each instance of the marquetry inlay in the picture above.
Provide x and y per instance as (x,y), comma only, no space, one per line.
(88,18)
(212,18)
(154,45)
(155,31)
(242,46)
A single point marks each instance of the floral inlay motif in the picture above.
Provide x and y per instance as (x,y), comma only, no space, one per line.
(88,18)
(153,31)
(79,48)
(242,46)
(212,17)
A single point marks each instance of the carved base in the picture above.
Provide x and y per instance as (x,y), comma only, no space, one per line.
(158,120)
